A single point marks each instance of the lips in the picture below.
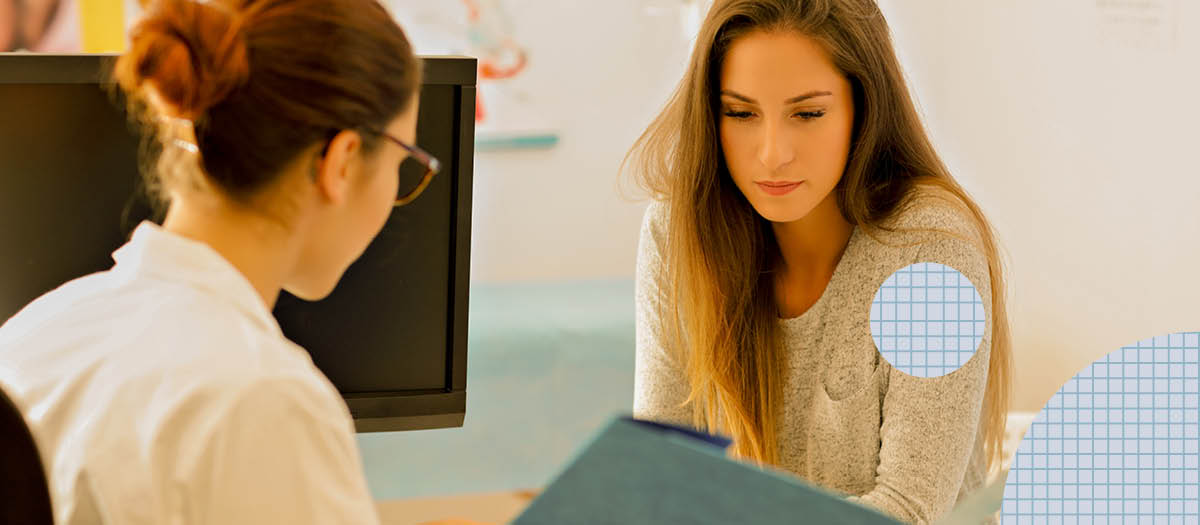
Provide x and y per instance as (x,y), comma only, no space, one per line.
(778,188)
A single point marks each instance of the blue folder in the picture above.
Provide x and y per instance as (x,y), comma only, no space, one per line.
(637,472)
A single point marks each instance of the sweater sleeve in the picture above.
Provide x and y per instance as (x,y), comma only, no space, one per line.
(917,482)
(660,385)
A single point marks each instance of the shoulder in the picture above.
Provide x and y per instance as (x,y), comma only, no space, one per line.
(654,222)
(931,214)
(43,310)
(214,353)
(150,333)
(286,396)
(241,433)
(272,409)
(652,241)
(211,367)
(948,233)
(935,226)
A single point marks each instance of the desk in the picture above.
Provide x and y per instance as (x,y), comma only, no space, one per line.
(489,507)
(502,507)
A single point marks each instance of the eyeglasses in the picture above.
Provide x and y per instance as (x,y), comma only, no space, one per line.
(413,178)
(410,185)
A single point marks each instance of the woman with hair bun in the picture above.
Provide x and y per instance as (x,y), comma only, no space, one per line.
(162,390)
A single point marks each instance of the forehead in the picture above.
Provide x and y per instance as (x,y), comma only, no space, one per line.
(773,66)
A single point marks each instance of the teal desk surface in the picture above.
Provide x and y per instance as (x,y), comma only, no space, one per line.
(548,364)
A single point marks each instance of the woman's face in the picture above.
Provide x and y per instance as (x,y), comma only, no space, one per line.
(786,117)
(347,226)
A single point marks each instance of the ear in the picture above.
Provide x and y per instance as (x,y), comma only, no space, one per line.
(335,169)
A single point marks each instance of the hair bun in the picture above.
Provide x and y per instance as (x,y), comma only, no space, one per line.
(192,53)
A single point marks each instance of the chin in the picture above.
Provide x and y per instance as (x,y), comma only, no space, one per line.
(783,211)
(313,291)
(305,294)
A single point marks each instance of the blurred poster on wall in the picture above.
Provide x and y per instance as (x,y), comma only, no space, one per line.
(507,113)
(65,26)
(1139,24)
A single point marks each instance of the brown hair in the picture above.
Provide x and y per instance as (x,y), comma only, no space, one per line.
(253,82)
(722,315)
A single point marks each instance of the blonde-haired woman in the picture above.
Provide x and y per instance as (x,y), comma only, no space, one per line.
(792,176)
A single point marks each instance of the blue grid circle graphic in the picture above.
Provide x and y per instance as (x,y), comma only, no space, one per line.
(927,319)
(1116,444)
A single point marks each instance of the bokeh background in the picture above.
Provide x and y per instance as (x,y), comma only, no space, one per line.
(1073,123)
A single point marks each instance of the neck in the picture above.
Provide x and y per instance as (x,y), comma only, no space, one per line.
(812,246)
(255,245)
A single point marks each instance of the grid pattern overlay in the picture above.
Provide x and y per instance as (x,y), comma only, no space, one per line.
(927,319)
(1116,444)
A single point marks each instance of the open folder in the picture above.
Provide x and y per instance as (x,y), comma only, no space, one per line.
(642,472)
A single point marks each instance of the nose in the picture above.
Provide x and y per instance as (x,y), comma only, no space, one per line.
(775,150)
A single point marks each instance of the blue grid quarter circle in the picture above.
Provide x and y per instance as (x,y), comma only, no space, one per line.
(927,319)
(1117,443)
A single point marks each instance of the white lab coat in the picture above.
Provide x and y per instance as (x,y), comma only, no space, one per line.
(163,392)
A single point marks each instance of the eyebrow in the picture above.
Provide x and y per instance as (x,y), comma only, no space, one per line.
(793,100)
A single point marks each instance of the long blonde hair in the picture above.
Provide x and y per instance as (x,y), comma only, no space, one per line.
(722,319)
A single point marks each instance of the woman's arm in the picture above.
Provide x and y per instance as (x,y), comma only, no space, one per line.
(929,425)
(660,386)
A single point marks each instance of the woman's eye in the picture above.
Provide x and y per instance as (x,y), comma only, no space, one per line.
(740,115)
(809,115)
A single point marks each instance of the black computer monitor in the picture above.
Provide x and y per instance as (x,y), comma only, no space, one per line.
(392,337)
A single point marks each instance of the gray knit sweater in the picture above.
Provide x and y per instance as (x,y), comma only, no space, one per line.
(850,422)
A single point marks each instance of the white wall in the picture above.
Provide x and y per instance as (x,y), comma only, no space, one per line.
(1073,122)
(599,71)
